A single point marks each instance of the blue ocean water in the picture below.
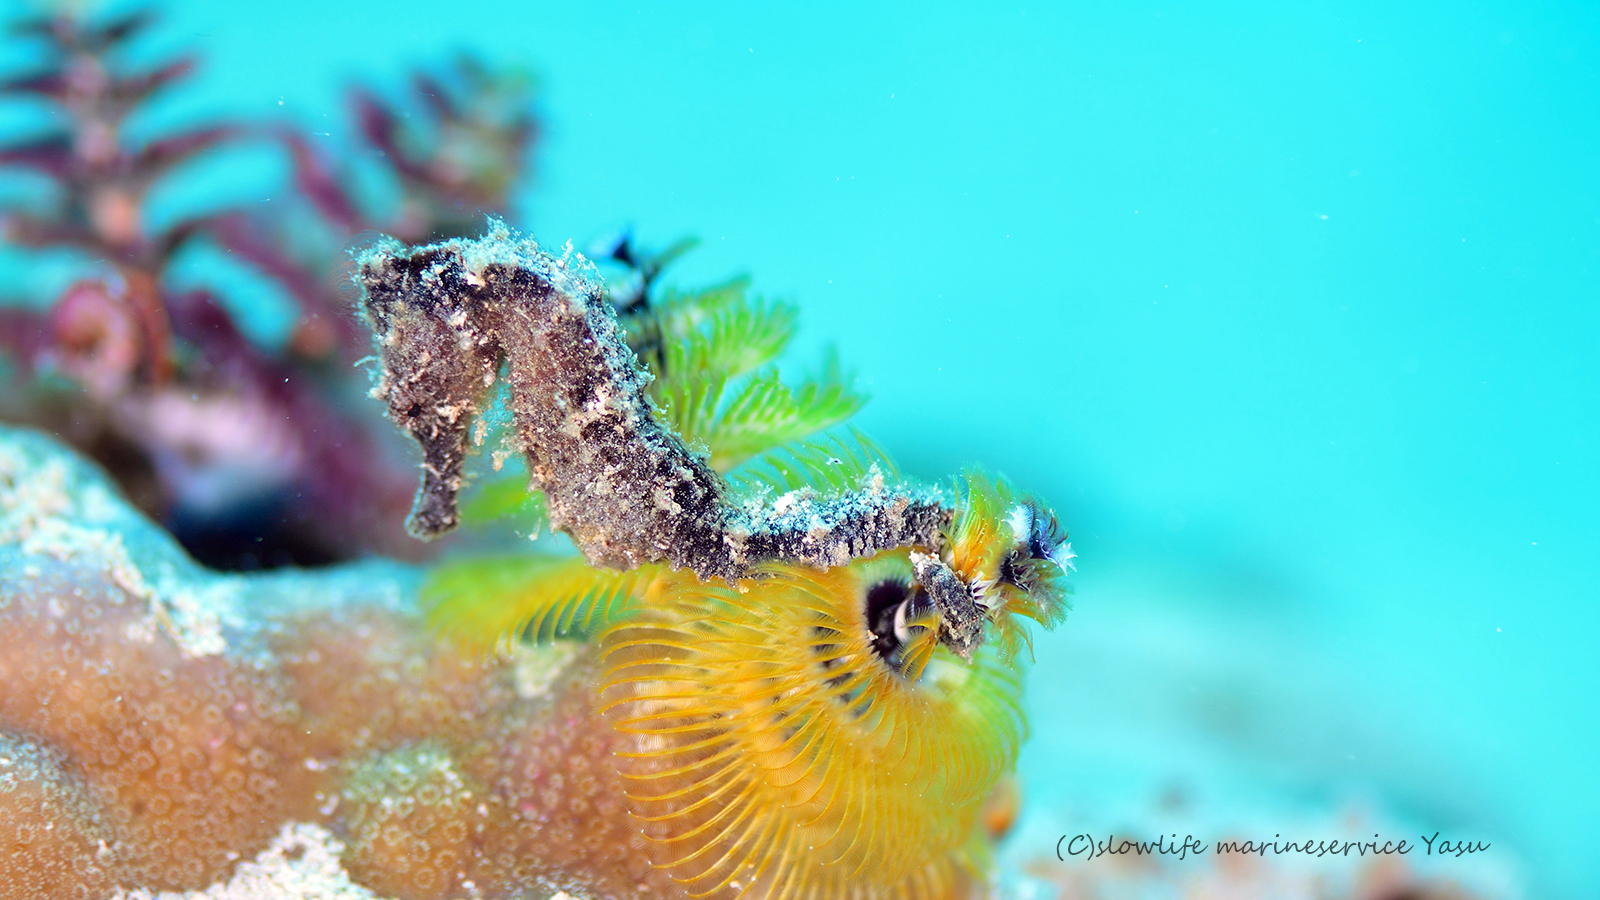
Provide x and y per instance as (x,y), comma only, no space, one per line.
(1290,309)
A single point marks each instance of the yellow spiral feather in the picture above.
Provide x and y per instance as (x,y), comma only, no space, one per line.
(779,755)
(486,604)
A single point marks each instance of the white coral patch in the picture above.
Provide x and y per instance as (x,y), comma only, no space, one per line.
(51,507)
(302,862)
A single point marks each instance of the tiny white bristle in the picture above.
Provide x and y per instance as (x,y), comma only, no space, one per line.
(1020,518)
(1063,556)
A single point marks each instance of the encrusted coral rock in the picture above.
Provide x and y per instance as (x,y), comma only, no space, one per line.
(164,728)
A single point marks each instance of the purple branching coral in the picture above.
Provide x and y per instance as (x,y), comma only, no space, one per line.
(253,456)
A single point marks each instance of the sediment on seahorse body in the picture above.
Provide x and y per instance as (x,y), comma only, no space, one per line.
(623,485)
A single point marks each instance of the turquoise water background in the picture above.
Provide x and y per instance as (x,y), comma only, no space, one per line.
(1290,309)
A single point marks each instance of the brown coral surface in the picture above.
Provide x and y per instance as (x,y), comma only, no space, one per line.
(167,728)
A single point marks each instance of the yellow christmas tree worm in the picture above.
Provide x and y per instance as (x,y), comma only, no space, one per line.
(793,751)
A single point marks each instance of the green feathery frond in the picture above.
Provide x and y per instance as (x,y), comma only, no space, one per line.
(506,497)
(487,604)
(711,353)
(827,463)
(678,311)
(688,399)
(762,412)
(726,333)
(653,329)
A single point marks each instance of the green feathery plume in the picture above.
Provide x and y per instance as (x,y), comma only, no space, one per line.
(489,603)
(828,464)
(715,384)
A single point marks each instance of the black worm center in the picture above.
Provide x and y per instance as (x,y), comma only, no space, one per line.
(884,601)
